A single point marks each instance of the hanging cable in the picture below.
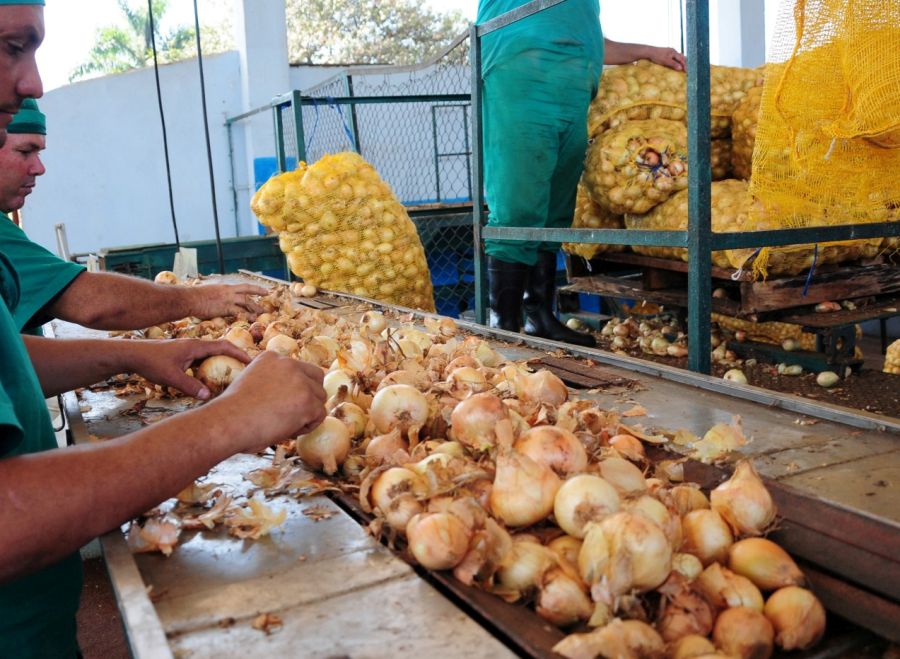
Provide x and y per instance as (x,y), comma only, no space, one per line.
(212,180)
(162,120)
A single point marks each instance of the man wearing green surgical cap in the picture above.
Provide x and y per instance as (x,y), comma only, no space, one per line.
(52,500)
(20,157)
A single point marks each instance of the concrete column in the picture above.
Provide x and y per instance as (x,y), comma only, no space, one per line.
(738,32)
(261,38)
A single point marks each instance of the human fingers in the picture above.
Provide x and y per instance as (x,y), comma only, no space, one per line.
(202,349)
(313,372)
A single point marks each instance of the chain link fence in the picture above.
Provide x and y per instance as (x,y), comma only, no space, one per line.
(413,124)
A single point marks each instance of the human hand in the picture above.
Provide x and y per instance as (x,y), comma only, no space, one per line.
(274,398)
(214,300)
(165,362)
(667,57)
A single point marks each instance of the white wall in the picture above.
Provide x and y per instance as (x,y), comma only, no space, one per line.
(106,176)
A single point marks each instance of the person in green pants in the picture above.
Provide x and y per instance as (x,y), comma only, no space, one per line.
(540,75)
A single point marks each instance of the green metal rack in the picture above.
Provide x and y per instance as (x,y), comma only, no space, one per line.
(699,239)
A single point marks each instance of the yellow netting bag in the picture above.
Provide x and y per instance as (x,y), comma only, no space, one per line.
(816,161)
(590,215)
(720,159)
(730,212)
(768,332)
(343,229)
(635,166)
(892,358)
(645,90)
(743,133)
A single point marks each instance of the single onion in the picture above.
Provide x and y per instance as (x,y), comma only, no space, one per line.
(691,646)
(620,639)
(629,447)
(483,352)
(653,510)
(523,490)
(474,421)
(685,498)
(561,599)
(523,568)
(687,565)
(467,378)
(218,371)
(744,633)
(326,447)
(555,448)
(798,618)
(706,536)
(398,377)
(381,448)
(156,332)
(593,557)
(438,541)
(336,379)
(764,563)
(540,387)
(724,589)
(582,499)
(166,277)
(385,486)
(308,290)
(744,502)
(239,337)
(623,476)
(640,557)
(450,448)
(460,362)
(684,613)
(374,322)
(429,462)
(399,406)
(352,416)
(566,549)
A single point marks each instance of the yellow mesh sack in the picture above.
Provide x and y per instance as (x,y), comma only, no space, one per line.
(815,162)
(730,212)
(743,133)
(343,229)
(645,90)
(720,159)
(637,165)
(590,215)
(768,332)
(892,358)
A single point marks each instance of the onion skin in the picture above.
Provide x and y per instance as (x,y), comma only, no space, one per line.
(683,614)
(524,566)
(797,616)
(744,502)
(438,541)
(706,536)
(640,557)
(620,639)
(744,633)
(555,448)
(583,499)
(766,564)
(724,589)
(218,371)
(690,646)
(684,499)
(623,476)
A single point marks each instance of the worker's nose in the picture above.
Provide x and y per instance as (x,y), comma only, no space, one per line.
(29,84)
(37,168)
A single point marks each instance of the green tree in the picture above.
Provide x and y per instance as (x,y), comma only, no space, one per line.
(122,48)
(368,31)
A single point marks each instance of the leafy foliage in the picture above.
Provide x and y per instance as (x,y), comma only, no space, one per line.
(122,48)
(367,31)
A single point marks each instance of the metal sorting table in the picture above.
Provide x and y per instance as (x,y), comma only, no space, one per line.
(833,472)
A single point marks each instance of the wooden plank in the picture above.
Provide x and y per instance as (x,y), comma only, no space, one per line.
(856,605)
(597,376)
(669,264)
(838,284)
(618,287)
(885,307)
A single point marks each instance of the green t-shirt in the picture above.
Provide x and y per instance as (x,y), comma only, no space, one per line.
(37,611)
(569,29)
(42,275)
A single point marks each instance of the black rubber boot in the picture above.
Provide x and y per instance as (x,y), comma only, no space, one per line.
(507,285)
(540,294)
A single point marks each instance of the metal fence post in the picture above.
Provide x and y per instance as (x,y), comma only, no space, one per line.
(354,126)
(699,178)
(299,137)
(477,179)
(280,157)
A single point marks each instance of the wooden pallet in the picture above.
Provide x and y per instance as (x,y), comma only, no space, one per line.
(664,281)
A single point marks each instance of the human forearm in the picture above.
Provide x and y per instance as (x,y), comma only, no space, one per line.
(53,502)
(103,300)
(617,52)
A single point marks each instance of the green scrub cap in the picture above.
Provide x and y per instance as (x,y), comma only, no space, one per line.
(28,119)
(21,2)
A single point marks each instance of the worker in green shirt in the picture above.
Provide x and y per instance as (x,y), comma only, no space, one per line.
(55,288)
(540,75)
(52,500)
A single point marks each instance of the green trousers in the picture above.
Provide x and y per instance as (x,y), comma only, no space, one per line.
(535,137)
